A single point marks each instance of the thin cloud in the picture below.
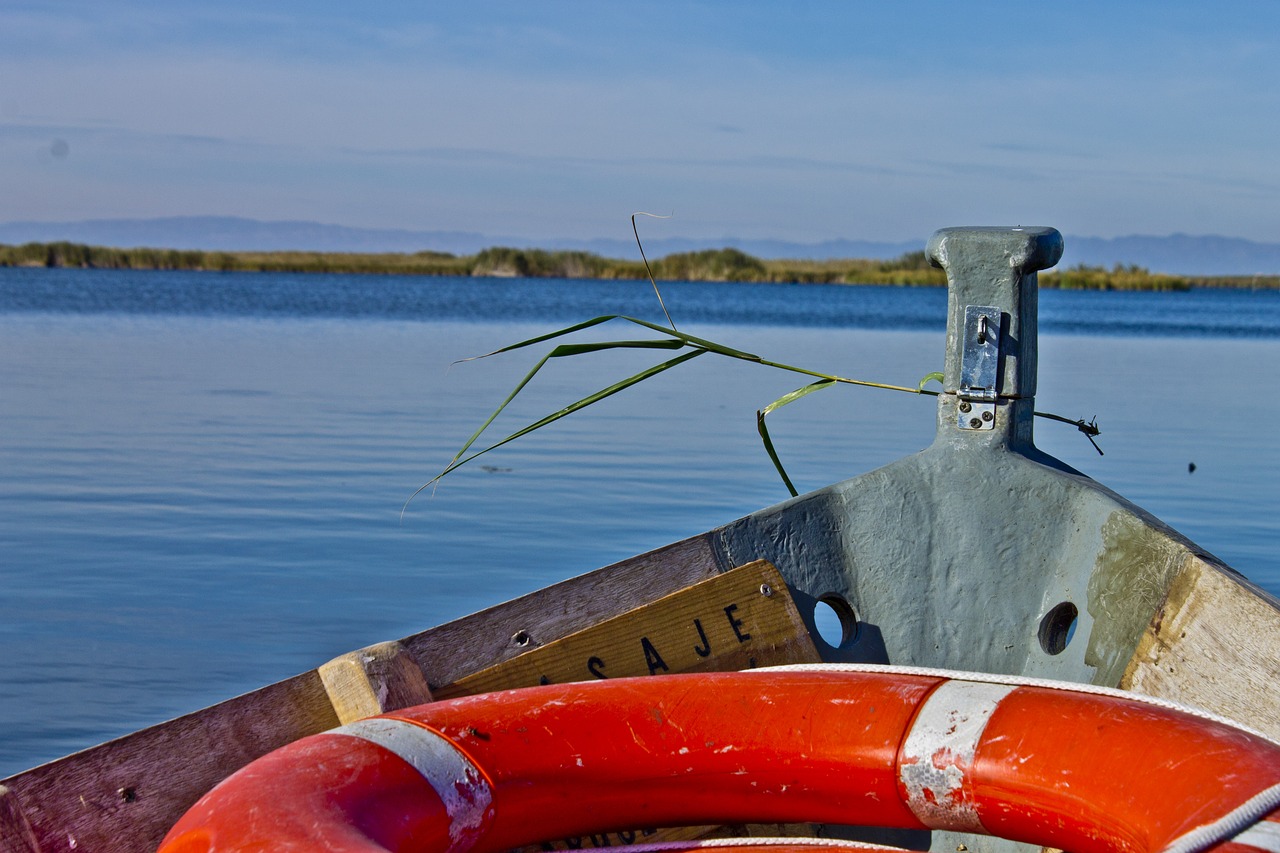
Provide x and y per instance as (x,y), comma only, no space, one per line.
(514,158)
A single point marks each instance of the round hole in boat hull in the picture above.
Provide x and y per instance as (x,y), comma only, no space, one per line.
(836,621)
(1058,627)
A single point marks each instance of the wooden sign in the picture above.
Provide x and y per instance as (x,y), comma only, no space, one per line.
(741,619)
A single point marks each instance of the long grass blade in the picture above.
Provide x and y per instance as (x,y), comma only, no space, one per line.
(459,460)
(658,293)
(599,346)
(764,431)
(676,340)
(692,340)
(559,333)
(562,351)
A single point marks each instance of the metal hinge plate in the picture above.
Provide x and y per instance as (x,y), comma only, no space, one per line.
(979,367)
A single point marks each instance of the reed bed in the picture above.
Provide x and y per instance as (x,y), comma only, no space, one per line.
(728,264)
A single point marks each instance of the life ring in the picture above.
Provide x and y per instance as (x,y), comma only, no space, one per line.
(1080,769)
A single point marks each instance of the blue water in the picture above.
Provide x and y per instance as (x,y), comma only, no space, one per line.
(1198,313)
(201,475)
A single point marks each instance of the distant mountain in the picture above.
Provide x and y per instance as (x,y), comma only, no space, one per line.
(1180,254)
(228,233)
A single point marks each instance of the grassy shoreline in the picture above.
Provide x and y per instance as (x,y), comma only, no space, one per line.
(911,269)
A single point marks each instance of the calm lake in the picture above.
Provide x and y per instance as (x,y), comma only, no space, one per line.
(202,475)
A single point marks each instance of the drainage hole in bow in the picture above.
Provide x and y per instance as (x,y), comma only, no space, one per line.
(1058,627)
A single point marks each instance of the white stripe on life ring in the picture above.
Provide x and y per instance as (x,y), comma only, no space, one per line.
(460,785)
(939,750)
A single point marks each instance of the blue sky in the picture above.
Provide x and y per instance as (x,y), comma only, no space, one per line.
(878,121)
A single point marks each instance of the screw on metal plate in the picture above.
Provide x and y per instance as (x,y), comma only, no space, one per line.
(979,364)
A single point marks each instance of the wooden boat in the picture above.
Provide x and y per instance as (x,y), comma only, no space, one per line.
(979,554)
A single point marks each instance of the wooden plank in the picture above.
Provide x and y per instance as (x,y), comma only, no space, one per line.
(374,680)
(16,835)
(125,794)
(1215,644)
(741,619)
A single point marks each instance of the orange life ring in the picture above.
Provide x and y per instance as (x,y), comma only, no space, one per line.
(1055,765)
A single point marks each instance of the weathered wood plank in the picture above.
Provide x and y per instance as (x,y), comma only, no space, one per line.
(16,835)
(1215,644)
(738,620)
(125,794)
(374,680)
